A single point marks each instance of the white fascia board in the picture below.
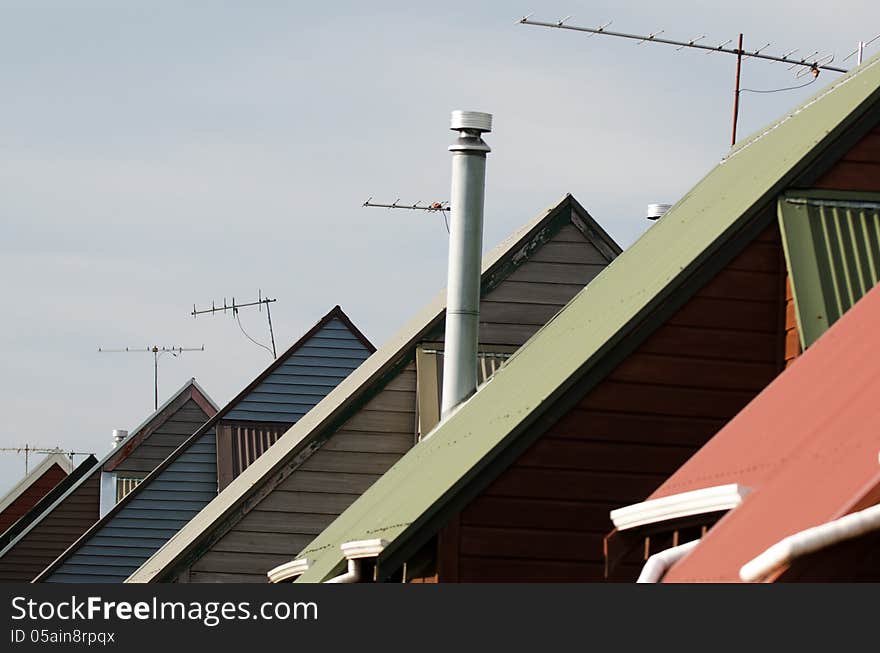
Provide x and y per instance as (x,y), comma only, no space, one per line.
(696,502)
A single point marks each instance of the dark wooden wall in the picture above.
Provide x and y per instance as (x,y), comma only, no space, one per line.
(545,517)
(385,428)
(53,534)
(29,498)
(859,169)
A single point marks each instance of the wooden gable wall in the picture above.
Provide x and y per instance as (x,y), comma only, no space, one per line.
(31,496)
(545,517)
(385,427)
(53,534)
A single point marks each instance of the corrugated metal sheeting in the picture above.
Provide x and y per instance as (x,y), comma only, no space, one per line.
(302,380)
(148,520)
(832,242)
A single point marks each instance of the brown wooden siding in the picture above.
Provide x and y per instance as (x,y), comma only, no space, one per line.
(859,169)
(29,498)
(545,517)
(55,532)
(385,428)
(165,439)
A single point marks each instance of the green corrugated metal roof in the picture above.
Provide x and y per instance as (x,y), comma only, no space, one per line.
(594,322)
(832,249)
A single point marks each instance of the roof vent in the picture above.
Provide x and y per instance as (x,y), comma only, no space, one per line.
(118,436)
(655,211)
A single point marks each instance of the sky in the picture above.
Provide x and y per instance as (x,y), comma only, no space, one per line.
(159,155)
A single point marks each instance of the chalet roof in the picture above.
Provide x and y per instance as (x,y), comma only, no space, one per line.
(157,512)
(127,446)
(595,329)
(48,499)
(50,460)
(806,446)
(358,388)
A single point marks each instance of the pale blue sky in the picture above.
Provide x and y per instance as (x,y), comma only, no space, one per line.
(153,156)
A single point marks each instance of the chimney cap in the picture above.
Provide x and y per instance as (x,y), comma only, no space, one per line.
(119,435)
(656,211)
(471,121)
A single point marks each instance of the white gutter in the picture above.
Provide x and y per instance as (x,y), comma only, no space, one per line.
(658,564)
(809,541)
(356,551)
(696,502)
(288,571)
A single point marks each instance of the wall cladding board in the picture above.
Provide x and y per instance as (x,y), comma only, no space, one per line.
(53,534)
(385,427)
(545,517)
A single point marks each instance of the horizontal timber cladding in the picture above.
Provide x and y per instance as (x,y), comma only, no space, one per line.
(147,520)
(57,530)
(165,439)
(31,496)
(545,517)
(383,429)
(302,380)
(858,169)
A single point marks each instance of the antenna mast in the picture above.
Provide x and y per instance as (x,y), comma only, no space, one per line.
(157,353)
(809,64)
(234,308)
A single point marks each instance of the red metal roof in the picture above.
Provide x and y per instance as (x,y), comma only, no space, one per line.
(807,446)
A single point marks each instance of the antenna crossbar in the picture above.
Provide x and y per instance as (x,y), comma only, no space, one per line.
(433,207)
(157,351)
(28,449)
(654,37)
(261,301)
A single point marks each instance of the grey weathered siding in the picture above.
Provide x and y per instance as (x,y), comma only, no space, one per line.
(310,498)
(384,428)
(165,439)
(304,378)
(147,521)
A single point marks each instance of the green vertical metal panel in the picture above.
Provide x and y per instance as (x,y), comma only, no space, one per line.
(832,250)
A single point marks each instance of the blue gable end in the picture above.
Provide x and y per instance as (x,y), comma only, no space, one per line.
(188,480)
(148,520)
(304,378)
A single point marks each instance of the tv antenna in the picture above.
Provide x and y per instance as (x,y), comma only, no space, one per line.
(433,207)
(235,307)
(28,449)
(810,64)
(157,352)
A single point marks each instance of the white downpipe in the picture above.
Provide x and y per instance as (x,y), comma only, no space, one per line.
(659,563)
(107,497)
(465,257)
(810,540)
(353,575)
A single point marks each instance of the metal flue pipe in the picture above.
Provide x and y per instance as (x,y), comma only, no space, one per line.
(465,253)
